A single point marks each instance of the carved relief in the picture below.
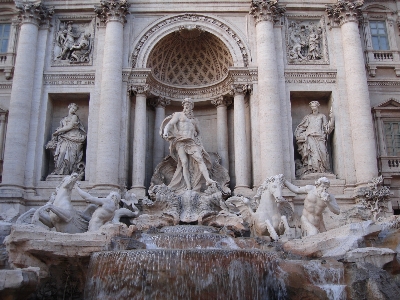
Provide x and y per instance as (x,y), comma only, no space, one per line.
(306,41)
(73,43)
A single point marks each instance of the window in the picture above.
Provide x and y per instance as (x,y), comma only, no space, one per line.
(379,35)
(392,134)
(4,36)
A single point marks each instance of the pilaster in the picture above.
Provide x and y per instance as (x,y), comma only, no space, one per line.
(159,105)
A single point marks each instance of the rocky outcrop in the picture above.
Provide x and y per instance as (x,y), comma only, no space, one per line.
(372,255)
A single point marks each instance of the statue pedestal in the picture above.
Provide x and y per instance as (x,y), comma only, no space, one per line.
(53,177)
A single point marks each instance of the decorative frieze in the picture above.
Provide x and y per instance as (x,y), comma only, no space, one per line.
(34,13)
(345,11)
(240,89)
(310,77)
(73,41)
(266,10)
(68,79)
(306,41)
(112,10)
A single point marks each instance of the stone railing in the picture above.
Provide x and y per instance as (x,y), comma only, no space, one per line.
(7,61)
(388,58)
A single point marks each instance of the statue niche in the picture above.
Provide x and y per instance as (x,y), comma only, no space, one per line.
(311,138)
(194,180)
(67,144)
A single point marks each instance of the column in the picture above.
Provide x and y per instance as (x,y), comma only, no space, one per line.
(241,171)
(113,13)
(265,13)
(15,153)
(158,146)
(347,14)
(139,141)
(222,128)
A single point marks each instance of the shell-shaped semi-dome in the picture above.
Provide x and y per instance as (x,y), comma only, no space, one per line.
(190,57)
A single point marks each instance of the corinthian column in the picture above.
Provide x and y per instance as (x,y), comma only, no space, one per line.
(222,128)
(30,16)
(241,171)
(347,14)
(265,13)
(113,13)
(158,147)
(139,141)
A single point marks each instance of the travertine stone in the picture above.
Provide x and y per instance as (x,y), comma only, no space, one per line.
(110,109)
(30,15)
(241,167)
(139,140)
(372,255)
(347,14)
(112,10)
(158,144)
(222,128)
(271,152)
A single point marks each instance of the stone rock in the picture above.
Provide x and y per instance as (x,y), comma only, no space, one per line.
(33,246)
(19,283)
(375,256)
(333,243)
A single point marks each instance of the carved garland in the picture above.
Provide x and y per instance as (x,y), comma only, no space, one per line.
(191,18)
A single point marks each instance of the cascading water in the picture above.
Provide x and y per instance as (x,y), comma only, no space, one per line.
(328,278)
(185,274)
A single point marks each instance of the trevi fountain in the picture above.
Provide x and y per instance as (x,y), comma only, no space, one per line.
(241,149)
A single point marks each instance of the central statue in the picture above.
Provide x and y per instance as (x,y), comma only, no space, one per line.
(182,131)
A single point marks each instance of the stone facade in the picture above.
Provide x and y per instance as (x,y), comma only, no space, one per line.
(251,68)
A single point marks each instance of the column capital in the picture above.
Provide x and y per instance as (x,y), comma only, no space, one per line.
(266,10)
(238,89)
(143,89)
(112,10)
(34,13)
(159,102)
(221,101)
(345,11)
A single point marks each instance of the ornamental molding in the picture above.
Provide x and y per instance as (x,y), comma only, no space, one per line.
(384,83)
(240,89)
(159,102)
(34,13)
(112,10)
(306,40)
(69,79)
(344,11)
(153,33)
(143,89)
(221,101)
(5,86)
(266,10)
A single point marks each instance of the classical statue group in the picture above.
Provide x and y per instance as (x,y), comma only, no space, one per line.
(190,185)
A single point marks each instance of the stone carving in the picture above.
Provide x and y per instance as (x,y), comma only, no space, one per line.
(375,198)
(311,138)
(73,43)
(67,144)
(61,213)
(193,163)
(266,10)
(34,12)
(272,210)
(306,42)
(316,201)
(115,10)
(345,11)
(108,209)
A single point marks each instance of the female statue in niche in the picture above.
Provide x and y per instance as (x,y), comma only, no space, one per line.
(311,137)
(67,143)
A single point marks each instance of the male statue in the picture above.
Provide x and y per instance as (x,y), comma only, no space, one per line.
(108,210)
(193,162)
(316,201)
(311,136)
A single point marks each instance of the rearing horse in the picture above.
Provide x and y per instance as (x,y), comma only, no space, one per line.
(61,213)
(267,220)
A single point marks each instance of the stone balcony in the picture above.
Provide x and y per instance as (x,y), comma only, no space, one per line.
(7,61)
(382,59)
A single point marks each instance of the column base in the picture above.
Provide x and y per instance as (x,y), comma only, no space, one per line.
(12,191)
(139,191)
(102,190)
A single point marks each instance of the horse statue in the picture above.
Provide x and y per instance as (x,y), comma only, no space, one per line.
(59,212)
(272,210)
